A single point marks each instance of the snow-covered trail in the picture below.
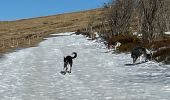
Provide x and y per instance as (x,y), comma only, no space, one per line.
(34,74)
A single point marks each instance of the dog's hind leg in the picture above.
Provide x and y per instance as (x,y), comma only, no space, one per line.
(71,63)
(65,66)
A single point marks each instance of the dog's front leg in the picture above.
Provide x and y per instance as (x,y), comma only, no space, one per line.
(140,59)
(66,69)
(134,59)
(70,69)
(71,63)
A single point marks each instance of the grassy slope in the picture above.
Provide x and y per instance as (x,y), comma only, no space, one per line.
(46,25)
(57,23)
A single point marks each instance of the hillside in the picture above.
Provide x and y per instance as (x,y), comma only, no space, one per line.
(28,32)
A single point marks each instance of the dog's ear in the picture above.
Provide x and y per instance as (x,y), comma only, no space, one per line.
(64,58)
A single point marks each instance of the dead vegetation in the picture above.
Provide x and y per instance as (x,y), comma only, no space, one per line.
(149,18)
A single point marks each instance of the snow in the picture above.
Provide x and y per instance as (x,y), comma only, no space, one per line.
(167,33)
(34,73)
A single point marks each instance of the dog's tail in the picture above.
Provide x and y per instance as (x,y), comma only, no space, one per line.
(75,55)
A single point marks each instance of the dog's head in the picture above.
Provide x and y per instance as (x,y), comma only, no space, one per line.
(149,56)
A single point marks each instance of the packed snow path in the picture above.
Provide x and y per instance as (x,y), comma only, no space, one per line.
(34,73)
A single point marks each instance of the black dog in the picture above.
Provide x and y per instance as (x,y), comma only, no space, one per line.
(138,52)
(69,60)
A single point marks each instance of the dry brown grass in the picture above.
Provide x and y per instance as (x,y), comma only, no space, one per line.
(54,23)
(46,25)
(162,45)
(127,41)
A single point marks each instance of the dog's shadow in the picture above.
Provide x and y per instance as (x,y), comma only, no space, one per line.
(132,64)
(64,72)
